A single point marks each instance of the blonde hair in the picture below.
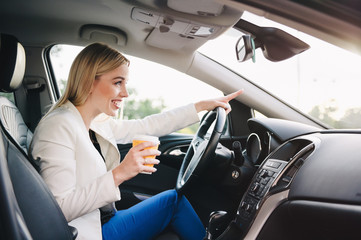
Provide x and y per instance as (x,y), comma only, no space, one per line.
(92,62)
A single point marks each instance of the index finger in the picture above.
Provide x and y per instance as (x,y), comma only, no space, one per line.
(234,94)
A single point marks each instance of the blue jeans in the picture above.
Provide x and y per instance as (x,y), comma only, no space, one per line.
(150,217)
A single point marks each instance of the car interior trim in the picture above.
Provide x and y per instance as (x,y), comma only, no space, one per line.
(269,205)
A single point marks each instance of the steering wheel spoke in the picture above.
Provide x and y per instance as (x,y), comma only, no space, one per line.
(189,171)
(194,144)
(201,148)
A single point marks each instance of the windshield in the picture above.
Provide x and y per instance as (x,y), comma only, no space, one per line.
(324,81)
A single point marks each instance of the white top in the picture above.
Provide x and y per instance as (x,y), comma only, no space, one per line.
(75,171)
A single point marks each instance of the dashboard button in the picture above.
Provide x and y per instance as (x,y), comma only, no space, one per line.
(273,164)
(264,174)
(255,187)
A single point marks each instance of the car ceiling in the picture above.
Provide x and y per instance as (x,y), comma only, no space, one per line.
(43,23)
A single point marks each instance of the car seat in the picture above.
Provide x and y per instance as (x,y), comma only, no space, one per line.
(12,62)
(14,123)
(29,210)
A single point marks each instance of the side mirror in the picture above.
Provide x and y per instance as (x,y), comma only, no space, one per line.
(245,48)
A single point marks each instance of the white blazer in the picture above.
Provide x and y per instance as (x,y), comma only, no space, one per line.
(75,171)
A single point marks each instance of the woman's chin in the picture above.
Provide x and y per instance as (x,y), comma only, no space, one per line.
(112,113)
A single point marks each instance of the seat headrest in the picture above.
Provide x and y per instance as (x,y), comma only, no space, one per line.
(12,63)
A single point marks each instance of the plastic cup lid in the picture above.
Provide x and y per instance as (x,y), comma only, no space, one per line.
(146,138)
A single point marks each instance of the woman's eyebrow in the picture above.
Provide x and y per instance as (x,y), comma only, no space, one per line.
(119,77)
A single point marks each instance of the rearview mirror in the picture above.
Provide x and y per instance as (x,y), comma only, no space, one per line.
(244,48)
(276,44)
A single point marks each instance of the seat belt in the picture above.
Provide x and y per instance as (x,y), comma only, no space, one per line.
(109,210)
(33,97)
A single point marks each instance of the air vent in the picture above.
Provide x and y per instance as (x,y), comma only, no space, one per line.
(295,162)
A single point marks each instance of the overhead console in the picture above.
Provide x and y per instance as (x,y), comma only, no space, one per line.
(184,27)
(170,32)
(169,24)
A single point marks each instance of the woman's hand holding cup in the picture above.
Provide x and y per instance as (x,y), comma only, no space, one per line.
(139,159)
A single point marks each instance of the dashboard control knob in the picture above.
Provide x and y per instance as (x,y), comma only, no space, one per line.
(235,174)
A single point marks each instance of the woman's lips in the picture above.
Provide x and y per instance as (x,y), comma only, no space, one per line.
(117,103)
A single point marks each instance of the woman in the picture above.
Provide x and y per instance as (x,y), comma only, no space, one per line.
(84,179)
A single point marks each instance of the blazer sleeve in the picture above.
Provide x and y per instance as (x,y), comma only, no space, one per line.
(55,144)
(157,124)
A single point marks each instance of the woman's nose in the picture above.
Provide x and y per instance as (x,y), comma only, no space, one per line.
(124,92)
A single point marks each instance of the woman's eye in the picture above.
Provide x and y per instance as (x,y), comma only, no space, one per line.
(118,83)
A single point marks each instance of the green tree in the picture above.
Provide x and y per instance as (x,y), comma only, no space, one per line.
(9,96)
(62,85)
(324,113)
(136,109)
(192,129)
(351,119)
(56,49)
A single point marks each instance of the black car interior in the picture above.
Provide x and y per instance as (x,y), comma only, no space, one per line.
(316,205)
(277,179)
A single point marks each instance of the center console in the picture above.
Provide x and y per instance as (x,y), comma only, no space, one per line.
(258,189)
(269,188)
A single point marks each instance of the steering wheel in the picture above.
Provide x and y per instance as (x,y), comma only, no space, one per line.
(201,150)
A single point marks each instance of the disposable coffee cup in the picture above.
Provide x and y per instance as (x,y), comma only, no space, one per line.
(146,138)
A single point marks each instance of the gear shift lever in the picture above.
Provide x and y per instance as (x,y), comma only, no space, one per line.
(216,220)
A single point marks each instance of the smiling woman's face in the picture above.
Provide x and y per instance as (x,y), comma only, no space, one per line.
(109,90)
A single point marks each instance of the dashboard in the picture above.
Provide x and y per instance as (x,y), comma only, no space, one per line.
(307,186)
(267,134)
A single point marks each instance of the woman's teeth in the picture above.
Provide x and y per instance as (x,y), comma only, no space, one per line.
(117,103)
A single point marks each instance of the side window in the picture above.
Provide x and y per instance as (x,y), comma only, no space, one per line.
(152,87)
(9,96)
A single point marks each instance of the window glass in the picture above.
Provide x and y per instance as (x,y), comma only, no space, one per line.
(152,87)
(9,96)
(323,81)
